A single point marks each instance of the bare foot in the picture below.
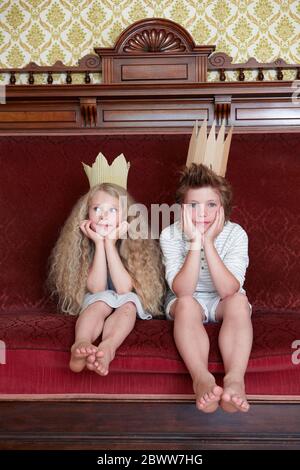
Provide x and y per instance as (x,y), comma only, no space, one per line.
(99,361)
(79,353)
(90,362)
(208,394)
(234,398)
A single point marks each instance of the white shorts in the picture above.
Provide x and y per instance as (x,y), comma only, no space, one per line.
(208,301)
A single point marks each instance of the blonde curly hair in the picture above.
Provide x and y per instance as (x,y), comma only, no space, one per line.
(73,253)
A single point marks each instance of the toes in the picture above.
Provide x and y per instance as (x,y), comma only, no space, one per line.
(90,366)
(208,401)
(201,403)
(217,391)
(245,406)
(102,370)
(90,350)
(237,400)
(207,407)
(83,351)
(91,359)
(78,353)
(234,403)
(240,402)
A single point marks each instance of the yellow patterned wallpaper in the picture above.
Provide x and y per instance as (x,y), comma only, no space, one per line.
(44,31)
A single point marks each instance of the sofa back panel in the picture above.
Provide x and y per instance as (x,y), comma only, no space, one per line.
(265,173)
(42,177)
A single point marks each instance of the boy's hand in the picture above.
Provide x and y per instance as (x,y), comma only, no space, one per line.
(194,235)
(216,227)
(89,229)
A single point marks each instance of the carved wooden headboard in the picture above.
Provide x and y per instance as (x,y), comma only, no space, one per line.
(154,80)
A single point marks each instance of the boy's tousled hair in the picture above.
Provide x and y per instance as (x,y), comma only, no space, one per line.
(200,176)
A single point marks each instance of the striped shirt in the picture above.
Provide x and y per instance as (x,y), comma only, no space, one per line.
(231,245)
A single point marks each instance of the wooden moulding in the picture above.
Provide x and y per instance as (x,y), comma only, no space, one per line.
(155,51)
(114,422)
(148,109)
(154,81)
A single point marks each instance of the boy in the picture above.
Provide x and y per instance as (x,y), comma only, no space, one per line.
(206,257)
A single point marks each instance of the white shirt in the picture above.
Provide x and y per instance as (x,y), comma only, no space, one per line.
(231,245)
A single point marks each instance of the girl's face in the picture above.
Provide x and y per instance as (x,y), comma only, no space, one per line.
(203,204)
(104,212)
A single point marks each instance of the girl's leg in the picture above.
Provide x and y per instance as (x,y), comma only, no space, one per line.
(116,328)
(235,342)
(88,327)
(193,345)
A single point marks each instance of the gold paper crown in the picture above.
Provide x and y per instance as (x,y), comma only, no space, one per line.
(102,172)
(209,151)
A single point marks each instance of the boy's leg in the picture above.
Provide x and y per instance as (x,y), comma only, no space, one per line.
(235,342)
(116,328)
(193,345)
(88,327)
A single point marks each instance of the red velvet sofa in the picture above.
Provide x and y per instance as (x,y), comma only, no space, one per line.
(42,177)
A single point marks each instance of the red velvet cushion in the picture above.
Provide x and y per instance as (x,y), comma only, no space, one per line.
(38,353)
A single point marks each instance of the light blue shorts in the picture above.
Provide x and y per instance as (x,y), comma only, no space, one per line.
(115,300)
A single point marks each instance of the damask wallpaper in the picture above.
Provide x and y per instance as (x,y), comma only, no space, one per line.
(44,31)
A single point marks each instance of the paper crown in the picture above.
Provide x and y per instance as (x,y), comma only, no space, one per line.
(102,172)
(209,151)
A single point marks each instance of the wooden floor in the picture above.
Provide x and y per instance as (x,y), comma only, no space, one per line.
(128,422)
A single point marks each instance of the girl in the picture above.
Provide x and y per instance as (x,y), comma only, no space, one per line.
(206,261)
(105,278)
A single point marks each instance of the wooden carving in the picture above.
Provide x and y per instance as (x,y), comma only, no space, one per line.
(154,40)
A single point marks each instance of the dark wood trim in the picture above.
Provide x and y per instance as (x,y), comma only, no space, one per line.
(221,62)
(268,89)
(90,63)
(249,107)
(167,424)
(154,50)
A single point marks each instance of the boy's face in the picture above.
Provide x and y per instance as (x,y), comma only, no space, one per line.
(203,205)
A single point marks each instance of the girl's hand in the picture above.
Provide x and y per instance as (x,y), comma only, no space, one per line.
(89,229)
(216,227)
(117,232)
(194,235)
